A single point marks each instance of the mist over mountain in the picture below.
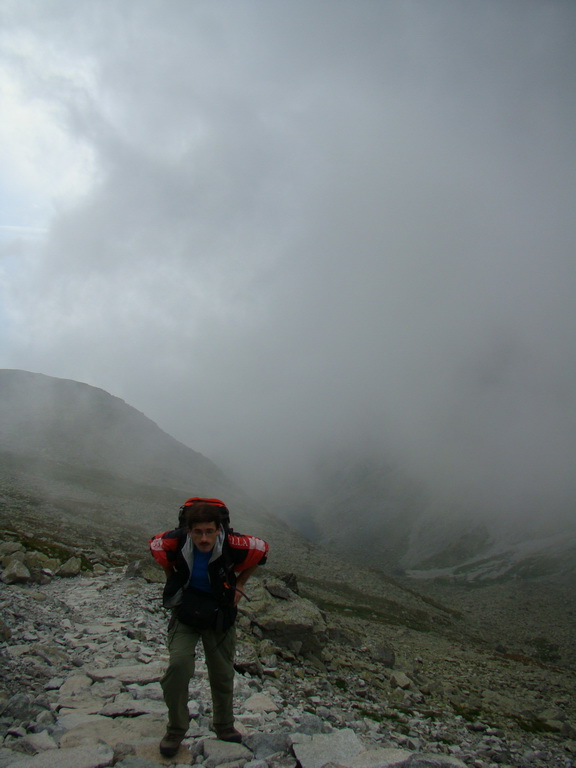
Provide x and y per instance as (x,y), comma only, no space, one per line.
(375,512)
(85,473)
(67,421)
(73,457)
(73,422)
(84,455)
(296,231)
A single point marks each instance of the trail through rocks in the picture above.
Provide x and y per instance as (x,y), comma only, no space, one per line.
(82,658)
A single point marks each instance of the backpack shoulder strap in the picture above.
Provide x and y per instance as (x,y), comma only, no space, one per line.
(165,546)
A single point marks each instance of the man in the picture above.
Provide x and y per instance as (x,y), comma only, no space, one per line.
(207,566)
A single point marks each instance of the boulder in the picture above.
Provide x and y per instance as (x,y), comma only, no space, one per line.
(389,757)
(125,706)
(33,743)
(71,567)
(39,561)
(400,680)
(288,620)
(9,547)
(148,570)
(260,702)
(15,572)
(432,760)
(385,655)
(247,660)
(113,731)
(21,707)
(266,744)
(217,753)
(312,724)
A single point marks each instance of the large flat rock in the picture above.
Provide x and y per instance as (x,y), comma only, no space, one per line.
(115,731)
(133,673)
(324,748)
(90,756)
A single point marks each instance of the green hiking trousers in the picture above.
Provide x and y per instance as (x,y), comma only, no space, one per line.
(219,650)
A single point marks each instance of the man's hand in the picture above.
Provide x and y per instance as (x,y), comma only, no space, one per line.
(241,580)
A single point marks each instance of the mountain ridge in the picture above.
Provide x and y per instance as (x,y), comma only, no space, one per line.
(83,423)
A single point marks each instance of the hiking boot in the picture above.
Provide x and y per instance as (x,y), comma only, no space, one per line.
(170,744)
(229,734)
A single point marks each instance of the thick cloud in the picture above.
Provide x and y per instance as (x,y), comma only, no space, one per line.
(281,227)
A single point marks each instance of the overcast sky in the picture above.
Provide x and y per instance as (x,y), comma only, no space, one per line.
(276,227)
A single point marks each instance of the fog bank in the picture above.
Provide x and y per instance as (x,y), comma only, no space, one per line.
(292,228)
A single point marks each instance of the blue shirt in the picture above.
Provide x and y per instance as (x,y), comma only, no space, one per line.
(199,576)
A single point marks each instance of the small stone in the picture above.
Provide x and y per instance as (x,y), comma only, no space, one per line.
(400,680)
(259,702)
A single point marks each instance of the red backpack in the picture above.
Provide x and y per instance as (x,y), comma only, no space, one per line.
(222,508)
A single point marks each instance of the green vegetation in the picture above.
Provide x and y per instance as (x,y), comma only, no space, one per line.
(545,651)
(429,600)
(338,598)
(87,479)
(63,528)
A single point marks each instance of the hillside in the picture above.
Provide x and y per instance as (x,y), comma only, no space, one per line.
(77,480)
(82,469)
(87,474)
(72,454)
(72,423)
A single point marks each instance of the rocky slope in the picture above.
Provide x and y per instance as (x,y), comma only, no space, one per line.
(474,675)
(82,655)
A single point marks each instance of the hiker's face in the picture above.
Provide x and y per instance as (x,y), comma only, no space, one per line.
(204,536)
